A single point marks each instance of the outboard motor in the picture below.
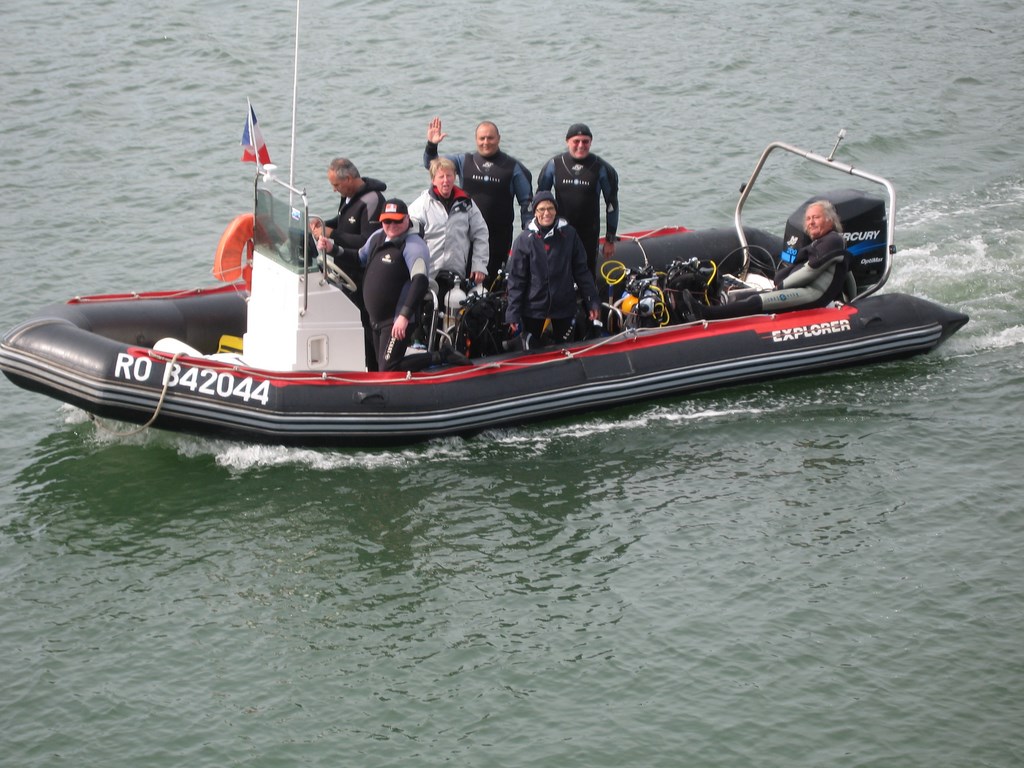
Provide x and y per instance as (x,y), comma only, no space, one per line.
(864,226)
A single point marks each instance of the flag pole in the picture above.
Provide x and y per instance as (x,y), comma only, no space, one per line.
(295,93)
(252,134)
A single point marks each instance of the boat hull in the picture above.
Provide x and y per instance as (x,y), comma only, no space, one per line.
(98,355)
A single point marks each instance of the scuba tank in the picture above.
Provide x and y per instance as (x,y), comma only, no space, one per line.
(453,303)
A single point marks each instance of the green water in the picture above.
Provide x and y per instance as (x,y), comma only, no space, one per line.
(817,572)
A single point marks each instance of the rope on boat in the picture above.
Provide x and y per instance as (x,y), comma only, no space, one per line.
(136,296)
(159,405)
(455,372)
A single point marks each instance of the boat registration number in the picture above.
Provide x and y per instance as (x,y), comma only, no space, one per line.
(203,381)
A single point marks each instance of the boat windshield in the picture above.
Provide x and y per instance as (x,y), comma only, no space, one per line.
(281,232)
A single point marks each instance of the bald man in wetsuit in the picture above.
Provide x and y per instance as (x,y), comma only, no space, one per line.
(579,178)
(495,181)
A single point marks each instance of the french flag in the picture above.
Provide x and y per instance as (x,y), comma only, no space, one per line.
(254,148)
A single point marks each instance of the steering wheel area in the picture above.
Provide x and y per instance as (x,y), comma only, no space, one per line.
(337,275)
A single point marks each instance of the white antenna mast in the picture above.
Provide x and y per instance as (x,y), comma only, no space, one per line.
(295,96)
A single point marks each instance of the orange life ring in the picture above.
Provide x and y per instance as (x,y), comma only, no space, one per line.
(233,260)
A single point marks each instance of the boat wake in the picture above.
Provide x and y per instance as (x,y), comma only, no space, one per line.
(534,440)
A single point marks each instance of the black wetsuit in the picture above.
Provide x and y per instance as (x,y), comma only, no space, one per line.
(351,228)
(394,283)
(578,186)
(357,218)
(494,183)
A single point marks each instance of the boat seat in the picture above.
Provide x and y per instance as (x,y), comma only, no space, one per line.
(849,287)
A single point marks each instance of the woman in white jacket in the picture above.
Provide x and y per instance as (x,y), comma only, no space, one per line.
(453,226)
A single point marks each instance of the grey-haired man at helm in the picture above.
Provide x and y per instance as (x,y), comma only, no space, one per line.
(342,236)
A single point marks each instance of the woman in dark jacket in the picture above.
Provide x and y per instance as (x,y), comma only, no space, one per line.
(547,268)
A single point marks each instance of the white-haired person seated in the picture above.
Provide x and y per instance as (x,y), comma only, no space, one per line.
(814,277)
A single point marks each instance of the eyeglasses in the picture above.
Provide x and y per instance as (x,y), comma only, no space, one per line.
(580,142)
(545,209)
